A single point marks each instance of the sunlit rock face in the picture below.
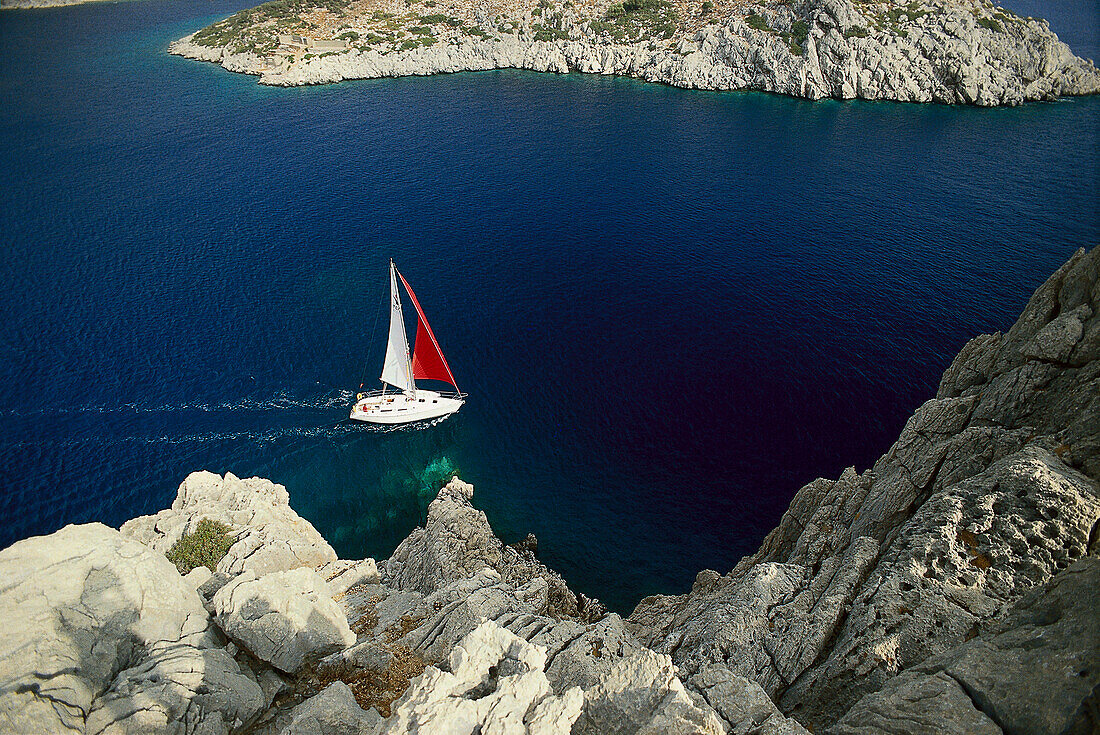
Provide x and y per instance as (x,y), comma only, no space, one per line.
(954,53)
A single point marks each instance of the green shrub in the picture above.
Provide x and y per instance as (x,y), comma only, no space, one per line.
(990,24)
(757,22)
(708,6)
(544,33)
(437,18)
(348,36)
(857,32)
(204,547)
(633,20)
(799,31)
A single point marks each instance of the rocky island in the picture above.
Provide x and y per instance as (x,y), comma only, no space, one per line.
(947,51)
(951,588)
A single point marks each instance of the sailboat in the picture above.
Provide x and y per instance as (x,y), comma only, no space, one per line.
(410,403)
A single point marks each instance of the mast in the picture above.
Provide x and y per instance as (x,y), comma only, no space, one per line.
(397,367)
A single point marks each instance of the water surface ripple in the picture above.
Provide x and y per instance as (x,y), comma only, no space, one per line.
(670,308)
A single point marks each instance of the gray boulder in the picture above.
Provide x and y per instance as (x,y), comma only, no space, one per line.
(495,684)
(284,618)
(332,712)
(742,704)
(104,636)
(1035,670)
(642,694)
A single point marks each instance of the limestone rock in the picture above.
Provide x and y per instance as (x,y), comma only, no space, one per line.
(495,684)
(343,575)
(1033,671)
(918,705)
(283,618)
(332,712)
(641,694)
(742,703)
(457,542)
(968,550)
(270,535)
(104,634)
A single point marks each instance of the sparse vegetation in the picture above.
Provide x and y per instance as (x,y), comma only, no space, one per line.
(757,22)
(992,24)
(255,28)
(546,33)
(796,39)
(440,18)
(857,32)
(631,20)
(203,547)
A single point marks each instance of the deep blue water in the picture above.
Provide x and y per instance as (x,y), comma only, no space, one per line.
(671,308)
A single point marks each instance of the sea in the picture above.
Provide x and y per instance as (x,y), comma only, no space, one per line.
(670,308)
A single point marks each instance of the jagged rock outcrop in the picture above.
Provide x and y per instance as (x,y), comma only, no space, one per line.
(990,491)
(271,537)
(642,694)
(1048,643)
(742,704)
(495,683)
(947,52)
(102,635)
(457,541)
(283,618)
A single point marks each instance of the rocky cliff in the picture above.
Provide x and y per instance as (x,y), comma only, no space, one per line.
(951,588)
(948,51)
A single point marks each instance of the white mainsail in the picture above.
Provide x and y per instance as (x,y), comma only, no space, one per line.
(397,369)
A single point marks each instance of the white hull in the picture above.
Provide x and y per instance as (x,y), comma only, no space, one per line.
(404,408)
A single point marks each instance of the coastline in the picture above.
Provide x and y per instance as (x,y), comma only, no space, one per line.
(951,588)
(950,53)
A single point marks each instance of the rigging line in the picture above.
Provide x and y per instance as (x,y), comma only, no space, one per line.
(373,332)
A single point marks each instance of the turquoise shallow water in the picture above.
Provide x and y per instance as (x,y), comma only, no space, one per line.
(671,308)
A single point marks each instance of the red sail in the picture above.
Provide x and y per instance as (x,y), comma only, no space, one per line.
(428,362)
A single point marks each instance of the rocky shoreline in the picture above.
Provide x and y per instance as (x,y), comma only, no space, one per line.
(951,588)
(946,51)
(31,4)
